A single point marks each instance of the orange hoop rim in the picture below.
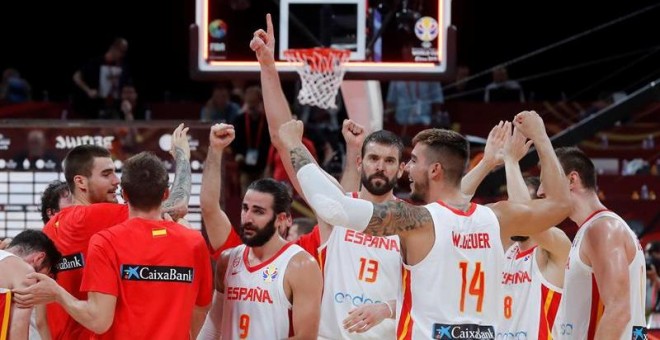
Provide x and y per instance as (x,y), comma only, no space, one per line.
(318,58)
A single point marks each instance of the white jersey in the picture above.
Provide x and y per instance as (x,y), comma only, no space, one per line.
(357,269)
(530,301)
(455,291)
(581,307)
(255,304)
(5,254)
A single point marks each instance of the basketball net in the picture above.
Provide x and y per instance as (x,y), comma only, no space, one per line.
(321,72)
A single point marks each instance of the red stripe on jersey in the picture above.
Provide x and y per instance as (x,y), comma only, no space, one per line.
(404,328)
(253,269)
(552,307)
(525,253)
(468,212)
(597,309)
(321,256)
(549,307)
(354,194)
(5,309)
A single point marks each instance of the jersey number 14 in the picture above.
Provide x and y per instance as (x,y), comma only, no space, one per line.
(476,288)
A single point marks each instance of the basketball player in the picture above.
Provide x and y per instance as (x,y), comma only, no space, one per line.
(534,266)
(358,269)
(90,175)
(605,275)
(146,277)
(451,249)
(30,251)
(263,283)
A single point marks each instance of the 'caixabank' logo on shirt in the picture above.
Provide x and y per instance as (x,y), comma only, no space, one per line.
(71,262)
(140,272)
(463,331)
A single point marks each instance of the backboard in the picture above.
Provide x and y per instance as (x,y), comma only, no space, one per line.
(388,39)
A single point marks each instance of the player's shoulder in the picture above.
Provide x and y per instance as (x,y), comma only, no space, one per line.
(302,259)
(607,229)
(16,268)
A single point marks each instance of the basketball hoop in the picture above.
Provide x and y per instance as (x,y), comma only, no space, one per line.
(321,72)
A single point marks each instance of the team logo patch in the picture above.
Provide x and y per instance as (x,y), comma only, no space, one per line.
(639,333)
(71,262)
(270,273)
(464,331)
(139,272)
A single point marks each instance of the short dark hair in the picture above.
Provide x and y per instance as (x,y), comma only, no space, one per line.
(305,224)
(50,199)
(80,161)
(384,137)
(449,148)
(281,196)
(144,180)
(533,182)
(573,159)
(30,241)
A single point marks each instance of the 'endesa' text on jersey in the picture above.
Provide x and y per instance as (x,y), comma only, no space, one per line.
(471,240)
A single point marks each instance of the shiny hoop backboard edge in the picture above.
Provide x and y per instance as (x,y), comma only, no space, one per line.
(204,69)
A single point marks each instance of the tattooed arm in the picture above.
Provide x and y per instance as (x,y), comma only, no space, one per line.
(176,204)
(332,206)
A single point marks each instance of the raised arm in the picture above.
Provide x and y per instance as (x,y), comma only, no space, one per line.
(532,217)
(354,135)
(492,158)
(216,221)
(176,204)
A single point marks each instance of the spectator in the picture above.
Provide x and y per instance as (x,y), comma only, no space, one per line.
(252,138)
(55,198)
(463,89)
(99,82)
(36,156)
(219,108)
(502,88)
(13,88)
(413,102)
(131,107)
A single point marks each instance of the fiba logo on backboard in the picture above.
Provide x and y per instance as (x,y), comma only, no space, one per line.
(217,29)
(426,30)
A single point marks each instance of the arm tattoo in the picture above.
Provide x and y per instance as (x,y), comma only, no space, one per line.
(177,204)
(300,157)
(394,218)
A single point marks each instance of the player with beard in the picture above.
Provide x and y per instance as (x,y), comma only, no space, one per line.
(534,266)
(359,270)
(450,246)
(265,285)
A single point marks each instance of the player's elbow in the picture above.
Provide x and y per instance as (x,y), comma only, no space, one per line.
(100,325)
(561,208)
(329,210)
